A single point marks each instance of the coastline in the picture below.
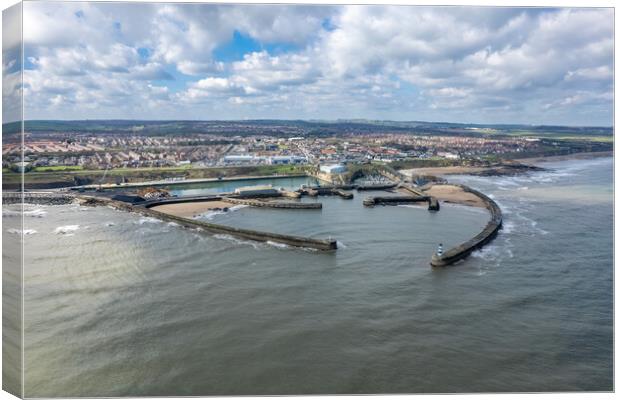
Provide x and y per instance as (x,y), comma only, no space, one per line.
(192,209)
(574,156)
(508,167)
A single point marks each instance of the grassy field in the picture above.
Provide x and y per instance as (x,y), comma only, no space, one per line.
(58,168)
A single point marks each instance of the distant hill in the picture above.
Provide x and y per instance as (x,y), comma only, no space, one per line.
(287,128)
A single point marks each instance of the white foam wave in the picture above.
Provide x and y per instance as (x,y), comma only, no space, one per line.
(148,220)
(19,231)
(278,245)
(36,213)
(341,245)
(209,215)
(66,229)
(235,240)
(10,213)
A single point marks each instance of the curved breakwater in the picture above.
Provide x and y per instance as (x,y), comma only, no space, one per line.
(488,233)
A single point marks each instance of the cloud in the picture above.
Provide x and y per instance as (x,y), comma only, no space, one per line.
(394,62)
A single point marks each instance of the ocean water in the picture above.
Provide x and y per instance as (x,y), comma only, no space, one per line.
(118,304)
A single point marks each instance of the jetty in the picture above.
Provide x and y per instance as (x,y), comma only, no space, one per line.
(442,259)
(273,204)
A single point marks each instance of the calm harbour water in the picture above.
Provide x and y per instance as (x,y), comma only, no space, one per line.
(117,304)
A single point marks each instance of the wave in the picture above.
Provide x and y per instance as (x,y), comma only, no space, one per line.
(278,245)
(209,215)
(11,213)
(148,220)
(19,231)
(36,213)
(66,229)
(230,238)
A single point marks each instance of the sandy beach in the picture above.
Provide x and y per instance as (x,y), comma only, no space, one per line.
(438,171)
(454,194)
(189,210)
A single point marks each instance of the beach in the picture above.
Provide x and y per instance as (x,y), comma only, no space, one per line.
(504,169)
(575,156)
(438,171)
(190,210)
(454,194)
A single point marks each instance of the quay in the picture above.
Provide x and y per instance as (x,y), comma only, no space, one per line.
(273,204)
(433,203)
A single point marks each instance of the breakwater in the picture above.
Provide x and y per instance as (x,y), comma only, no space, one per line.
(179,182)
(327,191)
(376,187)
(45,198)
(259,236)
(488,233)
(433,204)
(273,204)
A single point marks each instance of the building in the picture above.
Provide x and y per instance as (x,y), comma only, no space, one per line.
(333,169)
(279,160)
(241,159)
(256,191)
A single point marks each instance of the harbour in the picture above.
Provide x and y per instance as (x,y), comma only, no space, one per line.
(295,309)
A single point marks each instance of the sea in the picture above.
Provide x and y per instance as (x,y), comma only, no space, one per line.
(117,304)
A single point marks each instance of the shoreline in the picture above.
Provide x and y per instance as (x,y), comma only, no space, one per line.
(192,209)
(567,157)
(508,167)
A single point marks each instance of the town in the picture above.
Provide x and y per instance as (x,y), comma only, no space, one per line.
(97,151)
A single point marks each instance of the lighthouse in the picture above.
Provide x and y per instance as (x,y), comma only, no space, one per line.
(440,250)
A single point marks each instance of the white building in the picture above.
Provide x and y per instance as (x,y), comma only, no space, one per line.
(258,190)
(333,169)
(241,159)
(279,160)
(450,156)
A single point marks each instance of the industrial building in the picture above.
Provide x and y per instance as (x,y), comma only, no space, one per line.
(333,169)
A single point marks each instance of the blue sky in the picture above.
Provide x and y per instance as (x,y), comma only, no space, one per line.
(198,61)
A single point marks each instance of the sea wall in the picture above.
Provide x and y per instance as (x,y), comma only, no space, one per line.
(488,233)
(291,240)
(433,204)
(274,204)
(45,198)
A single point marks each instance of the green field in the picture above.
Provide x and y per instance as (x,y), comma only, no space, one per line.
(58,168)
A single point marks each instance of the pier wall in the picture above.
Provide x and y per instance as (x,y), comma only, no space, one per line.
(47,198)
(488,233)
(291,240)
(273,204)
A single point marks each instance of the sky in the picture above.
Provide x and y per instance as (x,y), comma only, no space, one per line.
(206,61)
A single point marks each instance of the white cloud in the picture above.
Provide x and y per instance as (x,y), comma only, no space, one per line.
(490,64)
